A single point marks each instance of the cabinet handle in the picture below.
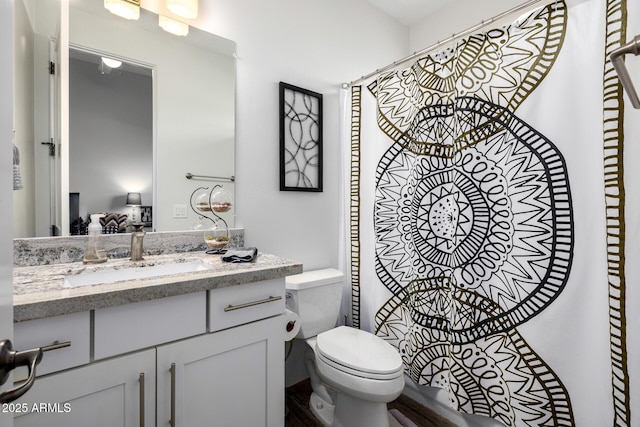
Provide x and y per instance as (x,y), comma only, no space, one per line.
(172,422)
(56,345)
(141,380)
(251,304)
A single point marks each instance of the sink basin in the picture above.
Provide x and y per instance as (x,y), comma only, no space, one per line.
(107,276)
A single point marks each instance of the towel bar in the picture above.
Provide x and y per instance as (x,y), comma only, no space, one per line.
(232,178)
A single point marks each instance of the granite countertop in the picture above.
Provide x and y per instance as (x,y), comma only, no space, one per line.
(39,291)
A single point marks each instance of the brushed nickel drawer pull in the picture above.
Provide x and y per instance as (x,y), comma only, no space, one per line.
(172,422)
(56,345)
(141,380)
(251,304)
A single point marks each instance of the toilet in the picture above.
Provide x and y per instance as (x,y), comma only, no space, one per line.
(353,373)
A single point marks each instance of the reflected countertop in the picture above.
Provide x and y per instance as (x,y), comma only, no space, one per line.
(39,291)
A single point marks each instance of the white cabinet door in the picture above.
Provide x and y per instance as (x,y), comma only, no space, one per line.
(231,378)
(105,394)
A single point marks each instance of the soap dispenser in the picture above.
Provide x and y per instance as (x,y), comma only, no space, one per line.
(95,252)
(136,241)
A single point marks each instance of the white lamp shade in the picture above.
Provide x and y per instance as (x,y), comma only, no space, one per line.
(187,9)
(172,26)
(127,9)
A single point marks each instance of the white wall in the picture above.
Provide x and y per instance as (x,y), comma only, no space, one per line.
(315,45)
(455,19)
(43,19)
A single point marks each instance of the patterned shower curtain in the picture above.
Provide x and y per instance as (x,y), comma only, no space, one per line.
(486,218)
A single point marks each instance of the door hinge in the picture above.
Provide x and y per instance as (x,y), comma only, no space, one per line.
(52,68)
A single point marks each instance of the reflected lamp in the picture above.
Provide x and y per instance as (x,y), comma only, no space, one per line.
(134,200)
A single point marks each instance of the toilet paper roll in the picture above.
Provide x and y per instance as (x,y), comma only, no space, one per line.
(291,325)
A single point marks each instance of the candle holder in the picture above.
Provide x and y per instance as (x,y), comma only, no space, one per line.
(207,204)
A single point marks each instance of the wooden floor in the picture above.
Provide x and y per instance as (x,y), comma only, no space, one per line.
(299,414)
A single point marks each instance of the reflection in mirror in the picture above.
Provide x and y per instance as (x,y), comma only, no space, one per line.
(191,108)
(110,138)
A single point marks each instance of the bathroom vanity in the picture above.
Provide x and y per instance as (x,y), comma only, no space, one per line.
(194,348)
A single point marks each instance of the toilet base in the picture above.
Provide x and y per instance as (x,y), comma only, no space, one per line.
(353,412)
(349,412)
(322,410)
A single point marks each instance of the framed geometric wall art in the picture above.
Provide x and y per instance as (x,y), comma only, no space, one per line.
(300,139)
(146,215)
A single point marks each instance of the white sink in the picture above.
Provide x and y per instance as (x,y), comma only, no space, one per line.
(107,276)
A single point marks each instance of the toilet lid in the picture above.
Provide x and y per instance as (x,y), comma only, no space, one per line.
(358,350)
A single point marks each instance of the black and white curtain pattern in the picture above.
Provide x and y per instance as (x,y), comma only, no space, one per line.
(486,222)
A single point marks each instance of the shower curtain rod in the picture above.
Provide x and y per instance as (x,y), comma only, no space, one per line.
(453,37)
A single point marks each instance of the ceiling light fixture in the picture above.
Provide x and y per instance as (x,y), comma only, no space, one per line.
(187,9)
(127,9)
(172,26)
(113,63)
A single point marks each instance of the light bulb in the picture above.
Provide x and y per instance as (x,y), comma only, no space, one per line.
(127,9)
(172,26)
(184,8)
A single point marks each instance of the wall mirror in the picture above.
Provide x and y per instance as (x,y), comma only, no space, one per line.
(182,121)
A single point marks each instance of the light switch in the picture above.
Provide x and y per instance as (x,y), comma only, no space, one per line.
(179,211)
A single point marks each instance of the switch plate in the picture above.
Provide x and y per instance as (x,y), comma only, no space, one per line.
(179,211)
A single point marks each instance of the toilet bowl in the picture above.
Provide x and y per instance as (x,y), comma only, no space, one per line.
(353,373)
(364,371)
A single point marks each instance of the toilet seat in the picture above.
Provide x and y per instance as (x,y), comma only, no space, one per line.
(359,353)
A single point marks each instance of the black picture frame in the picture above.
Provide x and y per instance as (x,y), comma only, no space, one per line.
(301,154)
(146,215)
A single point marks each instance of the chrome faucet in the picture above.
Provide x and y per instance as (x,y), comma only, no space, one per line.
(136,242)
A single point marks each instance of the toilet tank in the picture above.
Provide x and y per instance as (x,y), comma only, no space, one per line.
(315,296)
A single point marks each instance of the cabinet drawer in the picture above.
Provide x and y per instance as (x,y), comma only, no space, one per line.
(144,324)
(74,328)
(236,305)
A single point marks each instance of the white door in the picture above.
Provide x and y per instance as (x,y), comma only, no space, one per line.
(61,121)
(6,179)
(48,185)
